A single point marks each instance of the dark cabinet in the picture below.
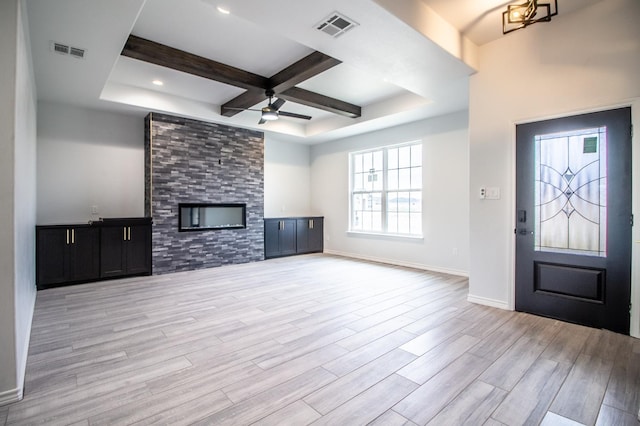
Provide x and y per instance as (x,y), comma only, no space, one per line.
(109,248)
(125,247)
(309,234)
(280,237)
(289,236)
(66,254)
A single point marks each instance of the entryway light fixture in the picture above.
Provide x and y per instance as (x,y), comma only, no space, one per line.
(518,16)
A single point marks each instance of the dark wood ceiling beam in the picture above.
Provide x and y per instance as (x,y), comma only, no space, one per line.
(307,67)
(245,100)
(325,103)
(283,82)
(166,56)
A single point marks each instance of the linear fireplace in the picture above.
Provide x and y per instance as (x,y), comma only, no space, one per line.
(205,216)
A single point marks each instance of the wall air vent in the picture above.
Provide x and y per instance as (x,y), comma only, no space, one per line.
(61,48)
(76,52)
(64,49)
(336,24)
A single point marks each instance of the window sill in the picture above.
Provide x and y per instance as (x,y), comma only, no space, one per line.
(385,236)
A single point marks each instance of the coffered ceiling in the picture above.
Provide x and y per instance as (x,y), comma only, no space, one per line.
(402,60)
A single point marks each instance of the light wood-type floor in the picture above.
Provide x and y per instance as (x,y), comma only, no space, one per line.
(316,340)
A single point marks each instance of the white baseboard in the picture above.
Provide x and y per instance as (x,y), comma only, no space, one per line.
(22,363)
(400,263)
(14,395)
(10,396)
(488,302)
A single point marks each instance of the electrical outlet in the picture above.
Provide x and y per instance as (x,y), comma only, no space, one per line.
(483,193)
(94,209)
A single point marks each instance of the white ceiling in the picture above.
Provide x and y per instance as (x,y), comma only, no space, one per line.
(391,66)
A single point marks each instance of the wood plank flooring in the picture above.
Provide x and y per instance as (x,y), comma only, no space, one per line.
(318,340)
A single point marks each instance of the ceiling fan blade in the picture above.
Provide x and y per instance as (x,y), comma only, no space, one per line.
(278,104)
(294,115)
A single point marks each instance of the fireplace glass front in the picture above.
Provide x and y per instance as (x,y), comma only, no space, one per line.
(199,217)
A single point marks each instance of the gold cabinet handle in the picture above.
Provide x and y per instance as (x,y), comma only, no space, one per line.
(73,236)
(124,233)
(310,223)
(128,233)
(67,236)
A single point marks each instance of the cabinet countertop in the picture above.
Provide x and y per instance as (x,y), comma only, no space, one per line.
(116,221)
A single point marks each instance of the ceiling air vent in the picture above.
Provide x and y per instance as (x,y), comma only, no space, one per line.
(63,49)
(336,24)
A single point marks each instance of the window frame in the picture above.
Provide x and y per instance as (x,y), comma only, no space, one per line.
(385,191)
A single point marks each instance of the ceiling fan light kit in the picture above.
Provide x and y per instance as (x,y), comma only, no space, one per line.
(269,114)
(518,16)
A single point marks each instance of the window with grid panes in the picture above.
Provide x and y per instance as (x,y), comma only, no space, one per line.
(386,190)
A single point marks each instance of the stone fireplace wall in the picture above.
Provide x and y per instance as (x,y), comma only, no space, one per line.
(189,161)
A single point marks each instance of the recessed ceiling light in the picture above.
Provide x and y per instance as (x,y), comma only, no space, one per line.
(158,82)
(223,10)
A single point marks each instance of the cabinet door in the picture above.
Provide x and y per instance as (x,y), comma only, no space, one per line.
(302,235)
(84,260)
(287,237)
(138,249)
(51,256)
(316,235)
(112,251)
(279,237)
(271,238)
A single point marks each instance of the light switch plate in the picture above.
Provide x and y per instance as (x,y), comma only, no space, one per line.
(493,193)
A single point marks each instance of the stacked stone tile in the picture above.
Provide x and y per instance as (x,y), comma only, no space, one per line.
(190,161)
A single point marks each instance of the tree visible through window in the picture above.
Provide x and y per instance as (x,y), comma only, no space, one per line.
(386,190)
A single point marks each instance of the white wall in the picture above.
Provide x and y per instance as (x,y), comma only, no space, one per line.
(584,61)
(88,158)
(96,158)
(17,198)
(445,193)
(8,42)
(287,178)
(25,194)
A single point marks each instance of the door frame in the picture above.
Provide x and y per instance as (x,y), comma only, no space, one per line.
(634,103)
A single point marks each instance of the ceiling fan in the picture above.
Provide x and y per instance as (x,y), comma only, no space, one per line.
(272,111)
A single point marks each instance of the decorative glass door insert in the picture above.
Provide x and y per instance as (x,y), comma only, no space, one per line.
(571,192)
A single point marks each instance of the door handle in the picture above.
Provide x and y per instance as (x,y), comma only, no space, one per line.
(522,216)
(523,231)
